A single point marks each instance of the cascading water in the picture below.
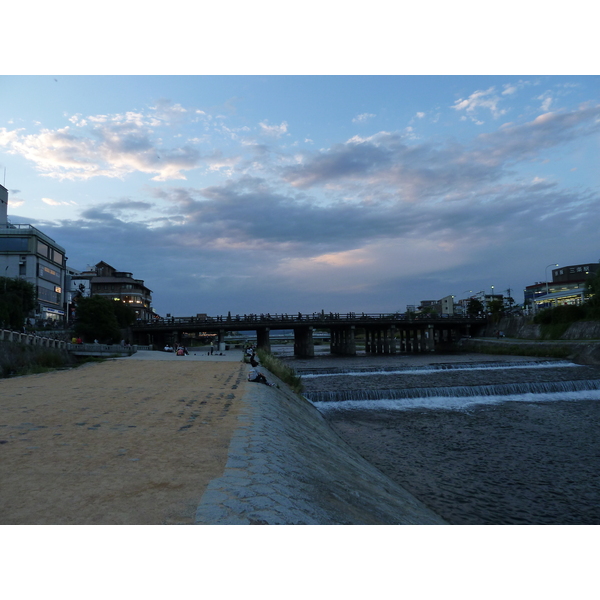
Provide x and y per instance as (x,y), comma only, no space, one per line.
(495,442)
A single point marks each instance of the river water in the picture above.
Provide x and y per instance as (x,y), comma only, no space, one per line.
(479,439)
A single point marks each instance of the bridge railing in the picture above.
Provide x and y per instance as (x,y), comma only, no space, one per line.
(309,318)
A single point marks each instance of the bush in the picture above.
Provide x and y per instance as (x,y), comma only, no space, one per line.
(568,313)
(22,359)
(281,370)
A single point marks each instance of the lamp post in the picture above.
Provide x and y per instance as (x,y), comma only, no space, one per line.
(546,275)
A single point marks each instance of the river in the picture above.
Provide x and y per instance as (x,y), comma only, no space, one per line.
(480,439)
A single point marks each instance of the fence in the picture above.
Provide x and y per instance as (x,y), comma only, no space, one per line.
(36,340)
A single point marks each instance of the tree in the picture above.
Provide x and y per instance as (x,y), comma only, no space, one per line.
(496,307)
(592,294)
(474,307)
(125,314)
(95,319)
(17,299)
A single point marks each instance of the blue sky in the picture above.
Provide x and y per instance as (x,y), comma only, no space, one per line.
(286,193)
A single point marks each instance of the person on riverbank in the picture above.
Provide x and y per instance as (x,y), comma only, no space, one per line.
(257,377)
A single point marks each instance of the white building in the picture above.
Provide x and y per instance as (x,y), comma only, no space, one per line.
(29,254)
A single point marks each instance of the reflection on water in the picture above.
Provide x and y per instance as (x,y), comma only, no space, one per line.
(528,459)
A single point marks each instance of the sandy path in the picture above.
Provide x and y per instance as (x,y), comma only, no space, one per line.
(119,442)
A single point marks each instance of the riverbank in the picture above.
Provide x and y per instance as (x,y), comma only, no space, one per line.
(125,441)
(160,439)
(287,466)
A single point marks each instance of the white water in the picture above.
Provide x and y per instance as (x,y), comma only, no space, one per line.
(455,367)
(453,403)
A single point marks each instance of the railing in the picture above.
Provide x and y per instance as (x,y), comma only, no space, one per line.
(37,340)
(320,317)
(32,339)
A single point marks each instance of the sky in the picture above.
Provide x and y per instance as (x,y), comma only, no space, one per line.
(273,157)
(286,192)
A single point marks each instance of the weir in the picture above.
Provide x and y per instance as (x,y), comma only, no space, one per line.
(547,387)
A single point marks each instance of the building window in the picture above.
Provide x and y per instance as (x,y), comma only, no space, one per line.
(42,249)
(14,244)
(48,295)
(57,257)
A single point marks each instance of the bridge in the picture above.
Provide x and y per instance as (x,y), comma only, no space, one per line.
(384,333)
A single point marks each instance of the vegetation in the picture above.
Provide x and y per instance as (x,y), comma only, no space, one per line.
(474,307)
(95,318)
(17,299)
(124,313)
(281,370)
(23,359)
(496,308)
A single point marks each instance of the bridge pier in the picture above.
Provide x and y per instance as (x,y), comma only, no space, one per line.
(262,338)
(343,341)
(429,341)
(304,346)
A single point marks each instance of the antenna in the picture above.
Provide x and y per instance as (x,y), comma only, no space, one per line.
(4,184)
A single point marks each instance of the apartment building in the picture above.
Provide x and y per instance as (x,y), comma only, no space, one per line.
(104,280)
(28,253)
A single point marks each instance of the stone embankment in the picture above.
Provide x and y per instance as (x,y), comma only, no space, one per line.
(287,466)
(580,352)
(524,328)
(579,343)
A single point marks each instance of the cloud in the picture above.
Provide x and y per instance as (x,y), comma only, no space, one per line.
(363,118)
(486,99)
(273,130)
(546,99)
(51,202)
(107,145)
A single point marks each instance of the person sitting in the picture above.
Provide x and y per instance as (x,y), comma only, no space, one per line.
(168,348)
(257,377)
(180,351)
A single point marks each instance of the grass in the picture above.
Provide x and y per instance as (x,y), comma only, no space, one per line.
(553,331)
(281,370)
(17,359)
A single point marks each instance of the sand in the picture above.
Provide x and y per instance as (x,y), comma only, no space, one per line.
(126,441)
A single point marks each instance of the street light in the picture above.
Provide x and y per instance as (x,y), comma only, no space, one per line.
(546,274)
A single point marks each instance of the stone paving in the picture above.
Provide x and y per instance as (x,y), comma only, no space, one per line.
(286,466)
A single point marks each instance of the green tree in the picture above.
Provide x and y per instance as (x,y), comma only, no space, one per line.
(17,299)
(474,307)
(592,294)
(95,319)
(496,307)
(125,314)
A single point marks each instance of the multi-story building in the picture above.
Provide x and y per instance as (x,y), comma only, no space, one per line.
(29,254)
(104,280)
(567,287)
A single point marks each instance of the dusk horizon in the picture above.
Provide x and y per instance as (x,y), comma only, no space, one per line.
(295,193)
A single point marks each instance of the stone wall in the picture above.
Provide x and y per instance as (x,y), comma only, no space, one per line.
(525,328)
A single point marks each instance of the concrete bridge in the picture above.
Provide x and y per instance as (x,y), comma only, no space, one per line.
(384,333)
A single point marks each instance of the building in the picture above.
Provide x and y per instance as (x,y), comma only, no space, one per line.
(29,254)
(104,280)
(447,305)
(430,306)
(567,287)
